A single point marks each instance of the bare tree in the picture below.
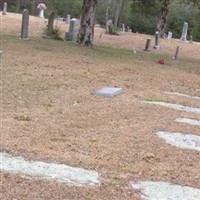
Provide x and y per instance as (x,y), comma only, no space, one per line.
(86,32)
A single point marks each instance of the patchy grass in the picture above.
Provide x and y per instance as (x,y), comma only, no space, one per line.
(53,81)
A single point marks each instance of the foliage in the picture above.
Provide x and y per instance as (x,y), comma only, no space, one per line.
(113,30)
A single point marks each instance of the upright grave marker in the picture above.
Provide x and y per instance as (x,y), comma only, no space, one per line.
(73,30)
(184,31)
(5,8)
(25,24)
(148,42)
(169,36)
(68,19)
(156,40)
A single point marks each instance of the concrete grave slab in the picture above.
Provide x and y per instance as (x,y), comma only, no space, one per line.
(185,141)
(174,106)
(165,191)
(188,121)
(182,95)
(71,176)
(108,92)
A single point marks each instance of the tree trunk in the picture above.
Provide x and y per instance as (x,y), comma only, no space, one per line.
(117,12)
(86,32)
(163,17)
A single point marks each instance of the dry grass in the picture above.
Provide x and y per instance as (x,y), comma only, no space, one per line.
(50,83)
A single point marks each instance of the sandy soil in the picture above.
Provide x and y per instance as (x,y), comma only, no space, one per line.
(49,112)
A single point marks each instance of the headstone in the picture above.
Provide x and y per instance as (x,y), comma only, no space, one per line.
(184,31)
(0,54)
(191,39)
(68,19)
(148,42)
(169,35)
(176,54)
(49,31)
(73,30)
(97,26)
(108,91)
(5,8)
(156,40)
(25,24)
(123,27)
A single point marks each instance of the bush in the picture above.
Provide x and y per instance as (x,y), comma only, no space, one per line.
(113,30)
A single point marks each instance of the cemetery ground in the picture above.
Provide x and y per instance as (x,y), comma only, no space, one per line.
(49,112)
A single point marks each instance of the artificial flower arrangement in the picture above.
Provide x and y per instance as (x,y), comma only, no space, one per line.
(42,6)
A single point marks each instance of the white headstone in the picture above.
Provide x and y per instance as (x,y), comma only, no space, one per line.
(68,19)
(169,35)
(5,8)
(123,27)
(73,30)
(184,31)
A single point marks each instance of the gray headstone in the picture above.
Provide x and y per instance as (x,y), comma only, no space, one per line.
(169,36)
(157,40)
(123,27)
(1,55)
(73,30)
(108,91)
(184,31)
(68,19)
(25,24)
(148,42)
(5,8)
(49,31)
(191,39)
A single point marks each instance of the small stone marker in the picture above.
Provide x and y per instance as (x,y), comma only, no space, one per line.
(108,92)
(184,31)
(73,30)
(0,55)
(68,19)
(176,54)
(25,24)
(123,27)
(5,8)
(148,42)
(157,40)
(191,39)
(169,36)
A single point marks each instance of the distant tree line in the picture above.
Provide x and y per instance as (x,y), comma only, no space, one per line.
(143,16)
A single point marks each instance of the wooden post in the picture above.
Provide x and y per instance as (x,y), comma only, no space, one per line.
(176,54)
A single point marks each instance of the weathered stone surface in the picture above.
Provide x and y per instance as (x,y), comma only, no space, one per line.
(73,30)
(165,191)
(50,171)
(25,24)
(185,141)
(108,91)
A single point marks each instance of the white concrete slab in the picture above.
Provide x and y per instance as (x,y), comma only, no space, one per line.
(188,121)
(165,191)
(186,141)
(108,91)
(175,106)
(59,172)
(182,95)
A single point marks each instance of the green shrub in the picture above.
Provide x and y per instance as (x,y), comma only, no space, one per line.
(113,30)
